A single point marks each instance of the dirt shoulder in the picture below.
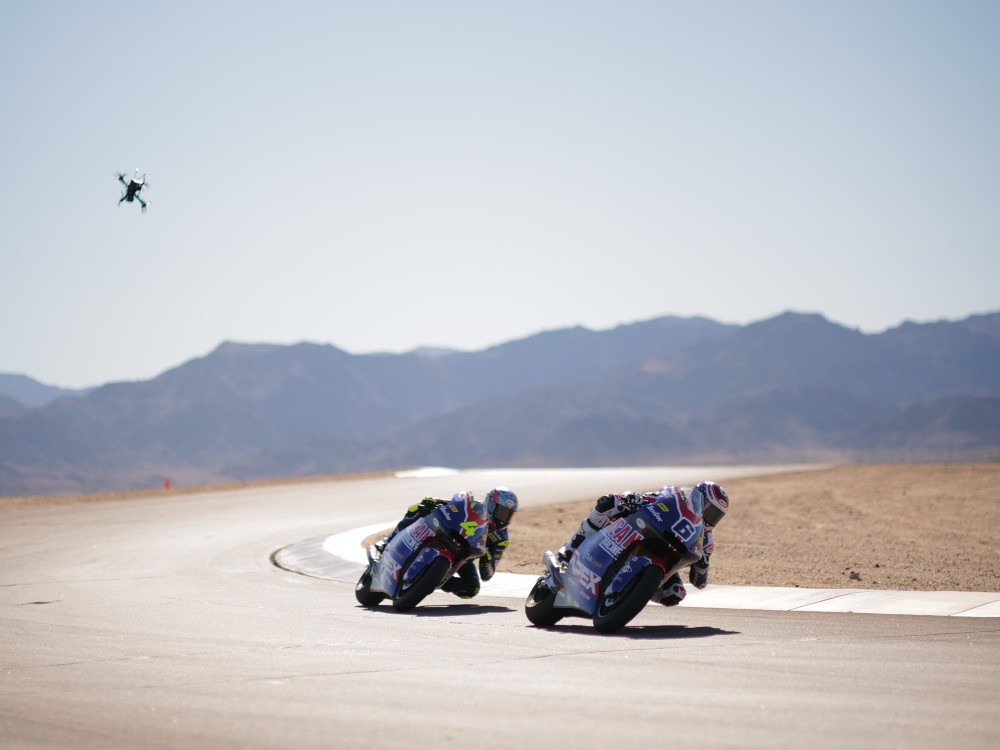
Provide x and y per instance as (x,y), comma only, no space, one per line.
(18,502)
(907,527)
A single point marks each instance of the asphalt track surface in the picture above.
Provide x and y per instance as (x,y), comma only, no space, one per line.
(162,622)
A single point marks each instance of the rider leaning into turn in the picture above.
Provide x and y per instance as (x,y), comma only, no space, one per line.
(501,504)
(714,502)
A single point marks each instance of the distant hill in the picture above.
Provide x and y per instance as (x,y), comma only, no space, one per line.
(9,405)
(30,393)
(794,387)
(955,426)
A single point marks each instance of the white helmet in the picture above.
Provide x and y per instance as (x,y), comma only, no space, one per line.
(714,502)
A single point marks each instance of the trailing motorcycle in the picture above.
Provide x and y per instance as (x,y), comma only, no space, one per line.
(425,554)
(616,570)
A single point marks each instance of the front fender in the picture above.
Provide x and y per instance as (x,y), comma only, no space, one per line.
(626,573)
(419,562)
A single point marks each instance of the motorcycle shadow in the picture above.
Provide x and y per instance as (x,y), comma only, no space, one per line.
(645,632)
(444,610)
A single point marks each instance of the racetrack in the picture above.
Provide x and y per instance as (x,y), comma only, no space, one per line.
(161,622)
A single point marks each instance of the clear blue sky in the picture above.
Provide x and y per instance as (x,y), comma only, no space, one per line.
(386,175)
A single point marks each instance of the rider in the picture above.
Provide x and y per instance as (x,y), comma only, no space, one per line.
(714,502)
(501,505)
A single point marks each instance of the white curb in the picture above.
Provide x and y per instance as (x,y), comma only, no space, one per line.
(347,546)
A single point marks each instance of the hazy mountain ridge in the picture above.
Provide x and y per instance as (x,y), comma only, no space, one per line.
(10,405)
(30,393)
(794,387)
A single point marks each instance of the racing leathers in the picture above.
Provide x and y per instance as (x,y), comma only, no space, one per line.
(616,505)
(466,581)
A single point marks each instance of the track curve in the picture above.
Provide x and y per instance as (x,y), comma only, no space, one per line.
(161,622)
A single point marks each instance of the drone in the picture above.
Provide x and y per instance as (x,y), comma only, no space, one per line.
(132,188)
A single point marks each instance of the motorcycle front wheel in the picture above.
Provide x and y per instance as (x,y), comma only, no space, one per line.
(540,605)
(614,614)
(422,586)
(363,590)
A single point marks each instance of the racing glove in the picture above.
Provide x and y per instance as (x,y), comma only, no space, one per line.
(428,504)
(630,501)
(699,573)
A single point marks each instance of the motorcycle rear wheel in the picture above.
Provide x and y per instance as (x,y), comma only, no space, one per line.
(610,618)
(540,605)
(426,582)
(363,590)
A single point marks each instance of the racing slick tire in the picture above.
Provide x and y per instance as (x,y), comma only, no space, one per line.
(613,615)
(425,583)
(540,605)
(363,590)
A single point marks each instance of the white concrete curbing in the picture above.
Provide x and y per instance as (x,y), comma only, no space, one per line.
(347,546)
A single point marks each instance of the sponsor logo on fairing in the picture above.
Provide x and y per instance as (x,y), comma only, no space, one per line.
(618,536)
(418,533)
(588,579)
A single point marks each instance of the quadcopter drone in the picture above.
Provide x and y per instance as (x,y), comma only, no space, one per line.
(132,188)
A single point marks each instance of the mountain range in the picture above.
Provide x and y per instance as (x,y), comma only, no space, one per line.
(795,387)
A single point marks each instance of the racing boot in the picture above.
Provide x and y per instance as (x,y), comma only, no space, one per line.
(459,588)
(671,593)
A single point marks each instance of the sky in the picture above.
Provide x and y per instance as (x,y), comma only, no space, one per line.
(387,175)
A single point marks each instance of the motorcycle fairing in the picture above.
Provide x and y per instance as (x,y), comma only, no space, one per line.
(409,551)
(469,519)
(580,585)
(666,533)
(396,554)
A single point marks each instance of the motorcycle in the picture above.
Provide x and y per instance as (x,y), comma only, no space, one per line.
(425,554)
(616,570)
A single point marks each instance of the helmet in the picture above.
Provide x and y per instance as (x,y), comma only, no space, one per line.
(713,500)
(501,504)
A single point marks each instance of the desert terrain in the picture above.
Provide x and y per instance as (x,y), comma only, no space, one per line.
(913,527)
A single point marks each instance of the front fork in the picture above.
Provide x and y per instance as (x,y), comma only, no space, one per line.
(553,579)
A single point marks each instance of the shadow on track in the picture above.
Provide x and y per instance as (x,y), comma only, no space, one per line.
(644,632)
(442,610)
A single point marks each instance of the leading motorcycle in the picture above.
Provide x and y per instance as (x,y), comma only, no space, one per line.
(616,570)
(425,554)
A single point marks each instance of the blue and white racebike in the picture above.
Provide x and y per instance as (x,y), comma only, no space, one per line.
(425,554)
(616,570)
